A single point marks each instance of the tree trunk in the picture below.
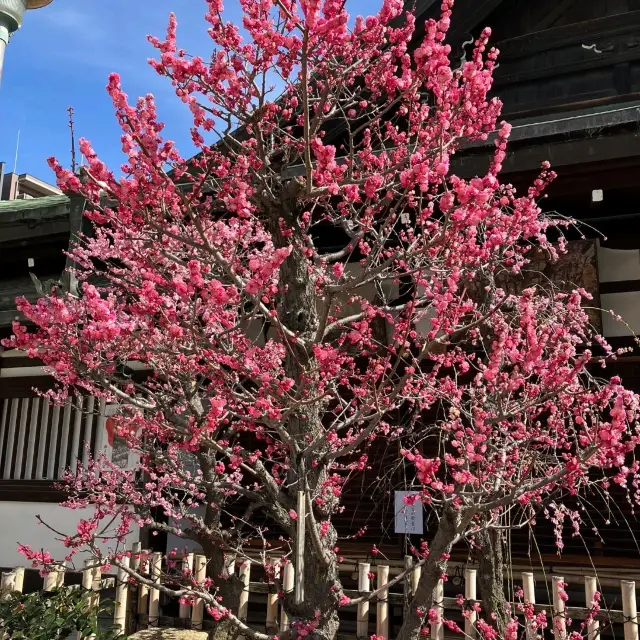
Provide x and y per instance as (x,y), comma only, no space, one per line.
(222,572)
(432,570)
(224,630)
(491,578)
(319,608)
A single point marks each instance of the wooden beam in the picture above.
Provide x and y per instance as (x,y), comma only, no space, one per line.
(30,491)
(586,64)
(559,154)
(64,441)
(556,12)
(468,15)
(566,35)
(620,286)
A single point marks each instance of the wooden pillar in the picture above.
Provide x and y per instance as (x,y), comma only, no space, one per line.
(22,434)
(197,611)
(382,607)
(101,433)
(88,429)
(559,619)
(470,594)
(43,429)
(75,439)
(50,473)
(629,609)
(64,440)
(122,595)
(31,445)
(364,586)
(3,424)
(11,435)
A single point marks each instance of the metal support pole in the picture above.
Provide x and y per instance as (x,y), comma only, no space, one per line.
(4,41)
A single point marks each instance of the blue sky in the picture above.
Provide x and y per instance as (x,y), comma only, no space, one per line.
(62,57)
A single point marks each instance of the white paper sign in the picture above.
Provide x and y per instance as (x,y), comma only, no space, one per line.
(409,518)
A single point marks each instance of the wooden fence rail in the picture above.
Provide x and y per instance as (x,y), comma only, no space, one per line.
(368,618)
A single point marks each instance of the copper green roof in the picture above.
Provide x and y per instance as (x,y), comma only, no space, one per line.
(34,209)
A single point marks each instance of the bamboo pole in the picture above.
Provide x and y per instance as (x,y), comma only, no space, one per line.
(122,595)
(61,575)
(528,587)
(382,607)
(12,581)
(629,609)
(154,593)
(18,579)
(470,594)
(134,587)
(559,619)
(243,605)
(272,601)
(437,628)
(287,586)
(88,575)
(415,578)
(136,551)
(364,586)
(184,611)
(590,588)
(197,611)
(143,589)
(6,584)
(408,563)
(300,543)
(406,586)
(50,581)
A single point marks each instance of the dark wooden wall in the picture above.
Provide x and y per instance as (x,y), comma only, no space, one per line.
(543,65)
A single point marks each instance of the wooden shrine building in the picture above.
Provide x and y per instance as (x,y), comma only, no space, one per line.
(569,77)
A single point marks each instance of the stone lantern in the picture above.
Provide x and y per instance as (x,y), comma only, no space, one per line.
(11,14)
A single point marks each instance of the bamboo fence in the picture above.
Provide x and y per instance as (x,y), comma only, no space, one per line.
(140,606)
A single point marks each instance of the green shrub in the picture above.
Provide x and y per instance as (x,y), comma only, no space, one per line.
(54,615)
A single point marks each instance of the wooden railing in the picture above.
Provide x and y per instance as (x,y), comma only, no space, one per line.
(140,606)
(38,440)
